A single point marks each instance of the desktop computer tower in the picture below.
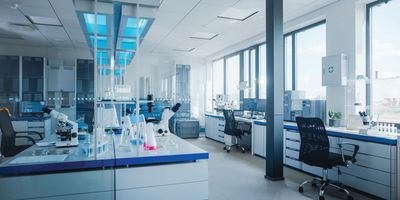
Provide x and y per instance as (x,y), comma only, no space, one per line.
(314,108)
(293,104)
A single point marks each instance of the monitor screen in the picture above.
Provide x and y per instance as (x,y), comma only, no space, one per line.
(32,106)
(249,104)
(261,105)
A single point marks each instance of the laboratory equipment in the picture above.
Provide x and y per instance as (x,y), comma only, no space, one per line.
(67,129)
(314,108)
(150,142)
(261,105)
(365,118)
(293,104)
(162,128)
(222,102)
(188,128)
(334,70)
(108,117)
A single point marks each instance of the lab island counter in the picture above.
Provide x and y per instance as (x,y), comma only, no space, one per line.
(176,170)
(375,171)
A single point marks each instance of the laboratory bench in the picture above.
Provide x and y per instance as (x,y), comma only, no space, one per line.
(375,171)
(176,170)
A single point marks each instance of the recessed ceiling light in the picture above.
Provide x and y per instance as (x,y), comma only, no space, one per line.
(183,50)
(44,21)
(237,14)
(203,36)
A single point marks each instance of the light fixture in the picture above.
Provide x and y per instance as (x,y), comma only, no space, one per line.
(184,50)
(15,6)
(48,21)
(203,36)
(237,14)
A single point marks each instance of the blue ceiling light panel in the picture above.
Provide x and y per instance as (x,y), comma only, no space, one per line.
(102,42)
(103,58)
(131,27)
(101,23)
(128,44)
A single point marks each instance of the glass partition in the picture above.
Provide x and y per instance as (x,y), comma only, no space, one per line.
(9,83)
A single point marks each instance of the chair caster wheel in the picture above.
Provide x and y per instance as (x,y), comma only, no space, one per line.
(301,189)
(313,185)
(350,197)
(243,151)
(321,198)
(228,150)
(224,148)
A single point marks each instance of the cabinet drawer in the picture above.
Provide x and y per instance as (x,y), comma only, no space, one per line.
(293,144)
(292,153)
(365,185)
(293,135)
(379,163)
(368,174)
(369,148)
(35,124)
(293,163)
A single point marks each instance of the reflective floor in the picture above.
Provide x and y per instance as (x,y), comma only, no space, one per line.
(241,176)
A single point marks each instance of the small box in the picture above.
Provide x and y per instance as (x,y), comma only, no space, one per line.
(187,128)
(334,70)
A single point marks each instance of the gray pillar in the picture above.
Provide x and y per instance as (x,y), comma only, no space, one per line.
(275,80)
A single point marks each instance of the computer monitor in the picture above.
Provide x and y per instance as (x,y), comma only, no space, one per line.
(249,104)
(261,105)
(32,107)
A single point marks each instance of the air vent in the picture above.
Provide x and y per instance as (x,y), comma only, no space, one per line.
(21,27)
(237,14)
(203,36)
(183,50)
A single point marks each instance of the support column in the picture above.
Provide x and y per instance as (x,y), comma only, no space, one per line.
(275,88)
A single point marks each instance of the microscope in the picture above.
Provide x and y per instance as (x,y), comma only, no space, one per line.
(67,129)
(162,127)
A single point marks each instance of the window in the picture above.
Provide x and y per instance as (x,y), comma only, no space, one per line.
(262,71)
(233,78)
(288,63)
(218,77)
(249,70)
(209,85)
(383,50)
(308,50)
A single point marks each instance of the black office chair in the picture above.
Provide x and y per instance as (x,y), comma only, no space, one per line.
(9,135)
(235,129)
(314,151)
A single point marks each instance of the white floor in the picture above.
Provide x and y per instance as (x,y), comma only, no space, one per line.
(241,176)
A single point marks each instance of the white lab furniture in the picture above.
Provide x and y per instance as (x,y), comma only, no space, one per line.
(375,171)
(334,70)
(177,170)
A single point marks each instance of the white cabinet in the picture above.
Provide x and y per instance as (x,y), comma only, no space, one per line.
(215,128)
(259,137)
(374,172)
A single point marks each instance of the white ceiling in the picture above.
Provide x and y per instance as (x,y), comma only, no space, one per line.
(176,21)
(68,35)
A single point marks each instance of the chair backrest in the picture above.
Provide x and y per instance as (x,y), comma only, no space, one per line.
(230,122)
(7,129)
(314,147)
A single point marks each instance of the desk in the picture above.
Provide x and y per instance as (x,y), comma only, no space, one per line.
(375,171)
(128,172)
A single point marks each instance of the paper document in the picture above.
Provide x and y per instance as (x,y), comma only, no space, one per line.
(45,144)
(39,159)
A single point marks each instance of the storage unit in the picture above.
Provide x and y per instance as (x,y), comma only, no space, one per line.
(187,128)
(215,126)
(373,173)
(259,139)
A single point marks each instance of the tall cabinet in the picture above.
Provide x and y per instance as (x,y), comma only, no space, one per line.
(85,90)
(32,79)
(9,83)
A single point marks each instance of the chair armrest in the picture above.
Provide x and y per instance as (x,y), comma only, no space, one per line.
(244,126)
(34,132)
(355,150)
(27,137)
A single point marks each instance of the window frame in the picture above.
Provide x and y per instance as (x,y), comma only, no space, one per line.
(368,53)
(293,34)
